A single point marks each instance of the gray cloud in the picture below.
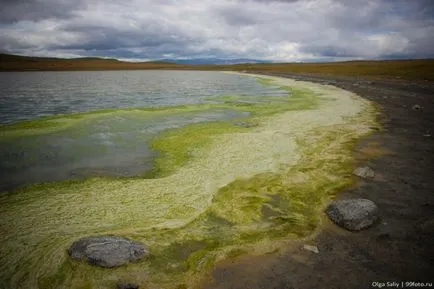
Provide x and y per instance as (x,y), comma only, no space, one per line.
(34,10)
(266,29)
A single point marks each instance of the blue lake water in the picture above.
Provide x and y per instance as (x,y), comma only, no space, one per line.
(115,145)
(27,95)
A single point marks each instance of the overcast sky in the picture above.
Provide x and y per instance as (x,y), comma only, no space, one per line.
(278,30)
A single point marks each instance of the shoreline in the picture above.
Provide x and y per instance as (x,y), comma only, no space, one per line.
(400,247)
(254,161)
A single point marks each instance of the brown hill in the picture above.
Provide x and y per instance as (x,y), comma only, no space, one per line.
(419,69)
(25,63)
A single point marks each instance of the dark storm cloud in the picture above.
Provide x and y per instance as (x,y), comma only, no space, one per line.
(268,29)
(34,10)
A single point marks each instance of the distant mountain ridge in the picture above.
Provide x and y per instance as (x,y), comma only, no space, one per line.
(10,62)
(215,61)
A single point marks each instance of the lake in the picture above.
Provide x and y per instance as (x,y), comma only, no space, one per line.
(110,145)
(198,166)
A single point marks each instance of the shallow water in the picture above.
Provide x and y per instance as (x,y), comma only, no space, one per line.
(27,95)
(215,197)
(111,145)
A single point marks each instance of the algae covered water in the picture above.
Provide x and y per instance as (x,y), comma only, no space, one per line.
(238,168)
(111,145)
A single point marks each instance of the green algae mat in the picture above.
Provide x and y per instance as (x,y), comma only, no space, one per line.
(216,190)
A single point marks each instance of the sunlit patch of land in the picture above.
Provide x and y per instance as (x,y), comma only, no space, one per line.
(218,190)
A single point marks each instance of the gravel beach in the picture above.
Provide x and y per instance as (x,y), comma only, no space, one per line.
(400,248)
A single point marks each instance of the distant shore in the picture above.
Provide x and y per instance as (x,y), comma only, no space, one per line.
(417,69)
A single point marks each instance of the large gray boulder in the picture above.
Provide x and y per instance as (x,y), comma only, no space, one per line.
(353,215)
(107,251)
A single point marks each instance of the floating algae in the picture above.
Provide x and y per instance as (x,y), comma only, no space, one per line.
(219,190)
(111,145)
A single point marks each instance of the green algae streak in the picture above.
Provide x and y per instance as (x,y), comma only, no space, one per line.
(218,190)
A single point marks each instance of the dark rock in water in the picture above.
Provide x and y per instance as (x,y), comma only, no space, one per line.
(353,215)
(364,172)
(126,285)
(107,251)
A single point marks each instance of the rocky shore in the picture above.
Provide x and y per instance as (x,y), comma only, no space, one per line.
(399,247)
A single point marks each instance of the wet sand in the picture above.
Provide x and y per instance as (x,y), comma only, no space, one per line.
(400,248)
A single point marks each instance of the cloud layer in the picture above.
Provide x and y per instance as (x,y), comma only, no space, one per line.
(279,30)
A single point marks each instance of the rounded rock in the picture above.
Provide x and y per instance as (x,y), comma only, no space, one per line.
(364,172)
(354,214)
(107,251)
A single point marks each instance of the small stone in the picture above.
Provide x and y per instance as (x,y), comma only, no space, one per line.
(126,285)
(245,124)
(310,248)
(354,214)
(364,172)
(107,251)
(383,236)
(416,107)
